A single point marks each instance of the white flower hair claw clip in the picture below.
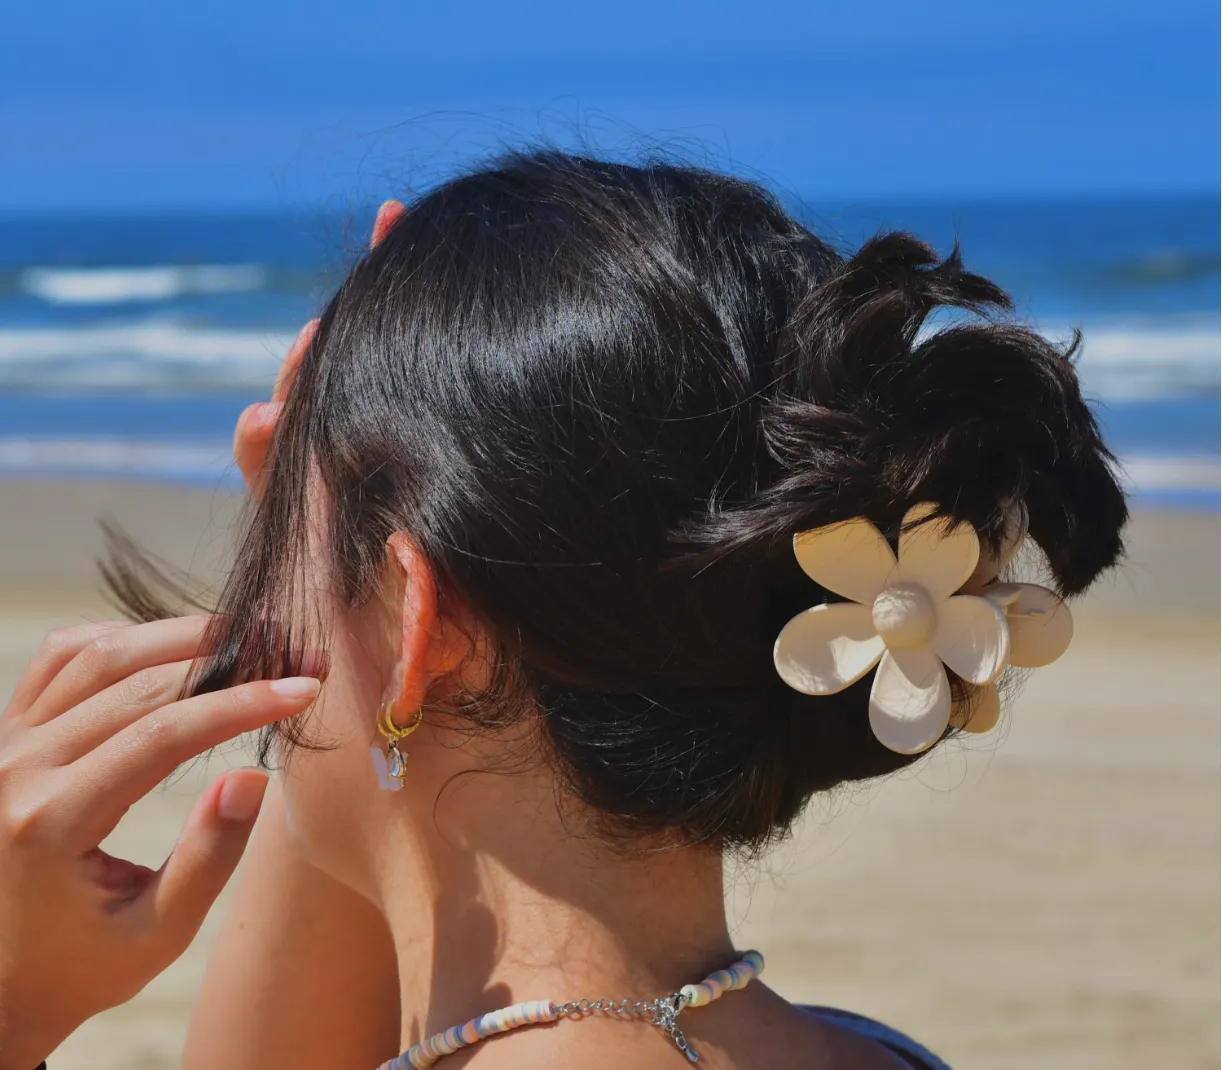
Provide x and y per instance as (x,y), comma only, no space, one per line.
(932,607)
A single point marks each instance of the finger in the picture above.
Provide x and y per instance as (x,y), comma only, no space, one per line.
(113,656)
(389,214)
(292,360)
(208,851)
(88,725)
(252,437)
(108,780)
(58,648)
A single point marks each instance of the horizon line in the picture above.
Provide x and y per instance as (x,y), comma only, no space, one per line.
(328,206)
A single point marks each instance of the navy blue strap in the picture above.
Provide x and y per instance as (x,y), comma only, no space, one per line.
(904,1046)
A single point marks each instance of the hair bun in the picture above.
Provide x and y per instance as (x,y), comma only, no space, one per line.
(873,409)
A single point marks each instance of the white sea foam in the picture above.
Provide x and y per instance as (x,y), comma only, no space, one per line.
(101,458)
(115,285)
(1143,362)
(139,356)
(1143,473)
(1117,362)
(209,461)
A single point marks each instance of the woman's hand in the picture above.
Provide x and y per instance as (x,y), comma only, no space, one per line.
(93,725)
(253,435)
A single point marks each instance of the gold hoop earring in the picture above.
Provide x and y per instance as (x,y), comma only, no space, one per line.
(391,764)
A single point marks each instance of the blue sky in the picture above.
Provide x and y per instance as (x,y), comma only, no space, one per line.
(120,105)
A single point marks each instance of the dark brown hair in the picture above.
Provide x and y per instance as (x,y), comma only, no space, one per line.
(603,398)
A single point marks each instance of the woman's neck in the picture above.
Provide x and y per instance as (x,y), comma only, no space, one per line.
(491,900)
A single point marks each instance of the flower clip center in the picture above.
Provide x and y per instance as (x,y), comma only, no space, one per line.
(904,616)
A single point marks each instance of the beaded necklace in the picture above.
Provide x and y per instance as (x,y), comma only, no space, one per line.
(662,1012)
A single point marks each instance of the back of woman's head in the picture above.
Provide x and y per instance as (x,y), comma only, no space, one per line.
(603,399)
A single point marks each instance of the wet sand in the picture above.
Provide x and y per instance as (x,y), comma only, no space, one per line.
(1046,896)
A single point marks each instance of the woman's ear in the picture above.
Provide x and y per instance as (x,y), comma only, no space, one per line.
(428,647)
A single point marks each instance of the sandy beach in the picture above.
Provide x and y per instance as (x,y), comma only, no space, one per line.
(1046,896)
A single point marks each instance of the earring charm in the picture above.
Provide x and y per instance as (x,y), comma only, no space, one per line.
(390,763)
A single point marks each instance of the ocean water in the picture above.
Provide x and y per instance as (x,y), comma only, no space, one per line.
(129,345)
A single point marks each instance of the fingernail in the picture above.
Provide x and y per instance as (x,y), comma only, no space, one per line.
(298,687)
(241,797)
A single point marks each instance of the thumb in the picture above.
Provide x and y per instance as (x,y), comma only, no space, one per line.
(203,860)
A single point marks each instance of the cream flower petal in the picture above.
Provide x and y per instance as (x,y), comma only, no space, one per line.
(910,700)
(1040,624)
(852,559)
(985,711)
(938,557)
(972,638)
(824,649)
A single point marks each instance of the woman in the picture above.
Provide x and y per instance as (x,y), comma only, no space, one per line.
(620,516)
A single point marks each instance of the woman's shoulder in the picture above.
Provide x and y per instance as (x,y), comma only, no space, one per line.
(917,1056)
